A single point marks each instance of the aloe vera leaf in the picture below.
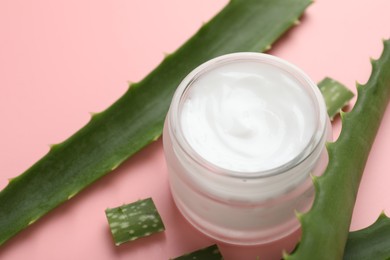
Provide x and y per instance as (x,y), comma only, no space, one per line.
(372,242)
(325,226)
(133,221)
(335,94)
(136,119)
(209,253)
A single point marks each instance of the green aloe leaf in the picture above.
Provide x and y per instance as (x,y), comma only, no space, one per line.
(325,227)
(136,119)
(372,242)
(133,221)
(209,253)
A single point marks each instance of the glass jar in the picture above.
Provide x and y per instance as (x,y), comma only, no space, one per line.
(245,207)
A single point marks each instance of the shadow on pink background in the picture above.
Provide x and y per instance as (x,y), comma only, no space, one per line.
(61,60)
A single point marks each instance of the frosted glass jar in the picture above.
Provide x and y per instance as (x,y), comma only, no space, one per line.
(243,134)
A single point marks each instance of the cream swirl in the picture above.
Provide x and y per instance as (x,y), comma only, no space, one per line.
(247,116)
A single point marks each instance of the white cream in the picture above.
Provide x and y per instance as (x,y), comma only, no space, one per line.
(247,116)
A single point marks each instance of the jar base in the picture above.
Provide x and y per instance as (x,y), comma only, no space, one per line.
(236,239)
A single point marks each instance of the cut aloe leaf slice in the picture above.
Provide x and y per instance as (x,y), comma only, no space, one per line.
(135,220)
(336,95)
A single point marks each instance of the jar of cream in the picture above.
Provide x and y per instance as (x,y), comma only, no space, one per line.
(243,134)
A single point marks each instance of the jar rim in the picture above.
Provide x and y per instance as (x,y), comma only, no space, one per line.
(318,135)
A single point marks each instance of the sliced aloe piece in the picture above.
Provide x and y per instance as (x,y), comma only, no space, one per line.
(209,253)
(137,118)
(135,220)
(336,95)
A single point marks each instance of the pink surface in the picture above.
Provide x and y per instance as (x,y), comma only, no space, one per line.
(61,60)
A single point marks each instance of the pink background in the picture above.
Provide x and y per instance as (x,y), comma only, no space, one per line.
(61,60)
